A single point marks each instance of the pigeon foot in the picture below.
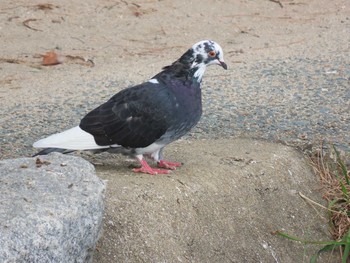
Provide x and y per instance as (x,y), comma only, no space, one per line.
(168,165)
(145,168)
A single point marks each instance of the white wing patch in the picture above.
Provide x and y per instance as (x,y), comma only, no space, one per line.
(154,81)
(72,139)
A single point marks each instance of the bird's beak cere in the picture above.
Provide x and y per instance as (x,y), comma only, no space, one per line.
(222,64)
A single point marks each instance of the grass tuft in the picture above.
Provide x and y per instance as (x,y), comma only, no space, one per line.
(334,177)
(334,173)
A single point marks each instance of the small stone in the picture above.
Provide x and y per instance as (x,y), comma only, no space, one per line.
(303,136)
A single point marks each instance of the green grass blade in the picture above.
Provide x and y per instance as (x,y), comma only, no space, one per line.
(334,243)
(346,247)
(346,253)
(343,189)
(313,259)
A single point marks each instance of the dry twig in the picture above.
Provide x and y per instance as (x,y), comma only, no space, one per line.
(277,2)
(19,61)
(26,24)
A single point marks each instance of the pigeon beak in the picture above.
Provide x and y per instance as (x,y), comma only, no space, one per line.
(222,64)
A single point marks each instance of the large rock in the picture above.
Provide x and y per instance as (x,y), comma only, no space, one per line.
(51,209)
(222,206)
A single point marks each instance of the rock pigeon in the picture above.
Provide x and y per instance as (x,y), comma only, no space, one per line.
(141,120)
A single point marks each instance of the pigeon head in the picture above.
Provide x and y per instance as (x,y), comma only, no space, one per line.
(207,52)
(193,63)
(201,55)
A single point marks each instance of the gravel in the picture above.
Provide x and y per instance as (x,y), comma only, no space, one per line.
(298,101)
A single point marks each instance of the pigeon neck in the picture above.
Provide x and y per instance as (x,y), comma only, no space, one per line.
(187,67)
(197,72)
(185,71)
(193,64)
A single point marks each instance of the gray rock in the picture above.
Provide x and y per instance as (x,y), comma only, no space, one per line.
(222,206)
(51,209)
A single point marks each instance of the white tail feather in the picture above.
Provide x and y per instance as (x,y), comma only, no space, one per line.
(72,139)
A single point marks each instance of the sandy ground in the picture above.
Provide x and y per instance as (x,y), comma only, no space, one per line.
(288,77)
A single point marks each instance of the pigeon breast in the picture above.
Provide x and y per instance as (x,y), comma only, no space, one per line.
(186,105)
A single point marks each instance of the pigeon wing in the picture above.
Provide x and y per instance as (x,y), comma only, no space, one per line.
(133,118)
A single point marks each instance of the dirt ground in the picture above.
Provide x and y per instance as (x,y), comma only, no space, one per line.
(107,45)
(146,35)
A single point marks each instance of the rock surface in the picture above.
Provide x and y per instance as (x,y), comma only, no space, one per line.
(50,209)
(221,206)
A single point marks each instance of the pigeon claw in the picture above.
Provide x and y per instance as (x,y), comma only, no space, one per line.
(145,168)
(168,165)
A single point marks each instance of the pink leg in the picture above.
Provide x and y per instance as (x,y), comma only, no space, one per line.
(145,168)
(168,165)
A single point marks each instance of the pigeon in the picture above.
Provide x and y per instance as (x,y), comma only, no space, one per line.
(141,120)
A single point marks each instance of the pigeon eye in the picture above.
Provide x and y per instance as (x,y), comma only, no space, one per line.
(212,53)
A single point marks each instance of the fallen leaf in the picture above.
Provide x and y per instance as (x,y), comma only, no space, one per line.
(51,58)
(19,61)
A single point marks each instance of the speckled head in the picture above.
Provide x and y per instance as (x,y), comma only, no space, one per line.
(201,55)
(208,52)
